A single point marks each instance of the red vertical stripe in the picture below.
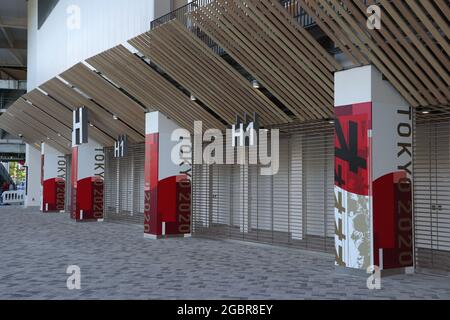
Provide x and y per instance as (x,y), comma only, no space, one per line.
(153,219)
(74,180)
(42,169)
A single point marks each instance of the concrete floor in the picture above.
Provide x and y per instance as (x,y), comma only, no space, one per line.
(117,263)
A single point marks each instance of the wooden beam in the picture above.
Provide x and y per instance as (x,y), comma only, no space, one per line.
(152,89)
(13,23)
(98,116)
(207,76)
(107,95)
(10,41)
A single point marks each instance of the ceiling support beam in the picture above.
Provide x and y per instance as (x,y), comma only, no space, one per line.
(10,41)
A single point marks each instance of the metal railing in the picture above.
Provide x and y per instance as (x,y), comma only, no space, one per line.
(182,15)
(292,6)
(299,14)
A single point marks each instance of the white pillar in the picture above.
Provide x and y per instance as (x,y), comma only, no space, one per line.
(88,172)
(53,179)
(373,172)
(33,163)
(167,181)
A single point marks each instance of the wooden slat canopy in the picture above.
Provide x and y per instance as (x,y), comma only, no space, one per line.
(107,95)
(53,110)
(150,88)
(411,49)
(206,75)
(98,116)
(23,119)
(28,134)
(262,37)
(51,127)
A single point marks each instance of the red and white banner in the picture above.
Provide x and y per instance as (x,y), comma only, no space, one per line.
(53,179)
(88,172)
(373,172)
(392,187)
(352,185)
(167,184)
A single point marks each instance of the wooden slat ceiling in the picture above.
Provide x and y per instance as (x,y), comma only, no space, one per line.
(107,95)
(98,116)
(63,117)
(206,75)
(28,135)
(150,88)
(262,37)
(411,49)
(43,122)
(24,119)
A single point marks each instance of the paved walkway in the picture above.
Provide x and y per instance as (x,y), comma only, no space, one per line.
(117,263)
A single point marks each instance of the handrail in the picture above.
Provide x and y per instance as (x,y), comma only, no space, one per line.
(298,13)
(181,14)
(292,6)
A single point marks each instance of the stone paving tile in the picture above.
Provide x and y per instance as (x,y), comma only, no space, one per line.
(117,263)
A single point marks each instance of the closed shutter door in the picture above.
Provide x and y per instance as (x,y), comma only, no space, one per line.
(68,194)
(201,199)
(124,186)
(219,186)
(293,207)
(318,190)
(432,195)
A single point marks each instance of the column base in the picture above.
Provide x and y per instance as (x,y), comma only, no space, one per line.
(363,273)
(167,236)
(90,220)
(54,211)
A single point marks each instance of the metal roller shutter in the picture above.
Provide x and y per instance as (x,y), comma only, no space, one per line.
(68,194)
(432,194)
(124,185)
(294,207)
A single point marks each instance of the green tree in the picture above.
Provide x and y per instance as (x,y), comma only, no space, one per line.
(16,173)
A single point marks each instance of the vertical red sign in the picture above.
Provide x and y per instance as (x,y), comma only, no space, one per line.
(73,182)
(352,153)
(152,218)
(53,194)
(353,185)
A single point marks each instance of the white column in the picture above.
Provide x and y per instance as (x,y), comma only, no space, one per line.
(53,179)
(373,185)
(33,162)
(88,172)
(167,180)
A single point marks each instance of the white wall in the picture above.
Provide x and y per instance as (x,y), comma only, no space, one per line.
(54,161)
(156,122)
(91,160)
(32,45)
(33,161)
(103,24)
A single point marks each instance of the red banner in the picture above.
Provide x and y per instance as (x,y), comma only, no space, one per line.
(352,150)
(53,195)
(152,218)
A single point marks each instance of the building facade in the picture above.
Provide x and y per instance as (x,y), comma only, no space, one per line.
(348,103)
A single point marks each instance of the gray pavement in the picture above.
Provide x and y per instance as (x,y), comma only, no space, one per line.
(117,263)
